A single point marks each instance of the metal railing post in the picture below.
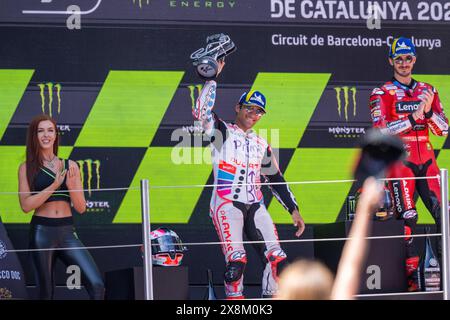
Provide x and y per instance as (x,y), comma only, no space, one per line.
(146,228)
(445,234)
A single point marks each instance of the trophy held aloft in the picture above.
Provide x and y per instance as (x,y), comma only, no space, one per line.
(205,60)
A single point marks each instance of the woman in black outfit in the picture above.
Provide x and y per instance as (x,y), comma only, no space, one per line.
(46,184)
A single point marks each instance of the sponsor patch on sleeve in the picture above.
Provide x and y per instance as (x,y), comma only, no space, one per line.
(377,91)
(375,103)
(376,113)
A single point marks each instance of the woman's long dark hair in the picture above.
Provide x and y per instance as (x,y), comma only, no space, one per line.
(33,154)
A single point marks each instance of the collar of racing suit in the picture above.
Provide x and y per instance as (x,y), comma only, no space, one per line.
(250,132)
(405,87)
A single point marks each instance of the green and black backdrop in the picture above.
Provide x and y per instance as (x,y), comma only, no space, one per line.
(120,86)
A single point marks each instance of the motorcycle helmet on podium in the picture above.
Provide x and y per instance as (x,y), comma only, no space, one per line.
(167,248)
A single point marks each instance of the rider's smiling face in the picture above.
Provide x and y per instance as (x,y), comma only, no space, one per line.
(403,64)
(247,116)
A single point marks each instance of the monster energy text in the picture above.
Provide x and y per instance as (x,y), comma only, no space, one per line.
(202,4)
(344,102)
(346,130)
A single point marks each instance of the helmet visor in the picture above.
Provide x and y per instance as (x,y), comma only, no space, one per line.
(166,243)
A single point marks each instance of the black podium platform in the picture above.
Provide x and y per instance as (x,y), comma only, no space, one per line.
(384,270)
(169,283)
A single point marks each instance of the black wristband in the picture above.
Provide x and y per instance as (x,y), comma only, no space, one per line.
(292,209)
(429,114)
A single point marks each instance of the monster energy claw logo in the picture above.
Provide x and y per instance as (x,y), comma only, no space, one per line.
(89,164)
(140,2)
(50,86)
(345,91)
(192,88)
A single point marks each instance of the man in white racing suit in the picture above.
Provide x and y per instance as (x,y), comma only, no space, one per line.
(240,158)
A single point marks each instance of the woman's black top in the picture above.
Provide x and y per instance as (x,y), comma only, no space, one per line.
(46,177)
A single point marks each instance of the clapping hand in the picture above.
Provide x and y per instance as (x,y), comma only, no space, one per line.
(60,175)
(74,176)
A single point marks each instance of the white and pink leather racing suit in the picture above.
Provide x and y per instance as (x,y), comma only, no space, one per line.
(240,159)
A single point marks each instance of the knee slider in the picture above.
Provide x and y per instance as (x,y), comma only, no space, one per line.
(235,266)
(277,259)
(234,271)
(281,265)
(276,256)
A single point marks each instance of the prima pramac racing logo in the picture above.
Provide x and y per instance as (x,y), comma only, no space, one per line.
(91,179)
(346,109)
(50,92)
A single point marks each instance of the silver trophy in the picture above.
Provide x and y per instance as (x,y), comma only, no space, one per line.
(206,59)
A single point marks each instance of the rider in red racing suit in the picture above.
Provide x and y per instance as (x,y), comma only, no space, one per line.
(410,109)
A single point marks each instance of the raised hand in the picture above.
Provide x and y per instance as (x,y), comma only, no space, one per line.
(221,64)
(73,169)
(59,178)
(73,180)
(420,112)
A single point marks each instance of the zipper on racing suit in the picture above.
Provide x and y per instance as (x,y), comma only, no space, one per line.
(247,156)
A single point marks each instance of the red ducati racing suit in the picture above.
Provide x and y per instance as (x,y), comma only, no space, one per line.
(391,108)
(240,159)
